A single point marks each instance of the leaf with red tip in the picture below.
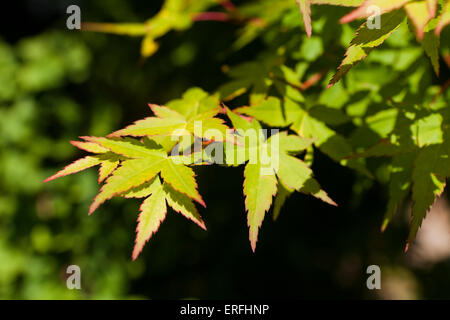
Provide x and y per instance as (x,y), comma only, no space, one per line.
(419,15)
(89,146)
(444,20)
(296,174)
(312,187)
(171,123)
(164,112)
(77,166)
(432,7)
(181,178)
(131,173)
(144,190)
(152,126)
(153,212)
(259,188)
(365,40)
(305,10)
(364,11)
(183,205)
(107,167)
(431,168)
(127,147)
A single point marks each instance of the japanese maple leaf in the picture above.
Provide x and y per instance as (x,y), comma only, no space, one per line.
(268,167)
(133,170)
(192,115)
(288,113)
(419,144)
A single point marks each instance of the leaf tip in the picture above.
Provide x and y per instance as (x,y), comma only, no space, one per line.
(355,14)
(253,245)
(92,208)
(48,179)
(136,252)
(384,225)
(200,200)
(152,107)
(202,225)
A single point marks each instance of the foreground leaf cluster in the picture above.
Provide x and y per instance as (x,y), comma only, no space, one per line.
(394,112)
(139,162)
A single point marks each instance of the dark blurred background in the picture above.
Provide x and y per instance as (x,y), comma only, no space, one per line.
(56,85)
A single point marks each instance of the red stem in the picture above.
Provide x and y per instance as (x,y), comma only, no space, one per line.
(211,16)
(228,5)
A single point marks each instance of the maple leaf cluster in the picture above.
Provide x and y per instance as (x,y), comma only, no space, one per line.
(138,162)
(143,161)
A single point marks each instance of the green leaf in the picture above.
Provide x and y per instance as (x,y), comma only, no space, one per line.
(131,173)
(165,112)
(293,173)
(293,144)
(89,146)
(250,75)
(420,139)
(365,40)
(268,111)
(127,147)
(259,188)
(144,190)
(153,126)
(174,15)
(363,10)
(305,10)
(110,162)
(77,166)
(399,185)
(273,160)
(194,115)
(282,195)
(419,15)
(431,169)
(430,44)
(153,212)
(183,205)
(444,20)
(181,178)
(288,113)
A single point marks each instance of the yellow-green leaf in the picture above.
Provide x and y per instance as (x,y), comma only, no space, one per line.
(153,212)
(131,173)
(259,188)
(77,166)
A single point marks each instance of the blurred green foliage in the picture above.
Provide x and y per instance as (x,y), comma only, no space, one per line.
(42,229)
(56,85)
